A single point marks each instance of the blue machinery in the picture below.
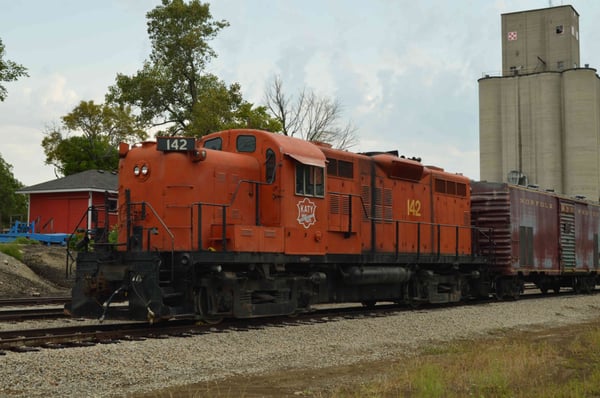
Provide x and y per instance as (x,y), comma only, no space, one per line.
(21,229)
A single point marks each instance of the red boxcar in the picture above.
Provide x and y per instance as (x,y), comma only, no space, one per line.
(536,236)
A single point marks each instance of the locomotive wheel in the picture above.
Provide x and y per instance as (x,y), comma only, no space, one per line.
(202,309)
(412,294)
(414,304)
(211,320)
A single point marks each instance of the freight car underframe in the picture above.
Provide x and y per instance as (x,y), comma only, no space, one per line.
(213,285)
(513,285)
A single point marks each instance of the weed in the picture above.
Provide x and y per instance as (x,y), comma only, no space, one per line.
(565,363)
(11,249)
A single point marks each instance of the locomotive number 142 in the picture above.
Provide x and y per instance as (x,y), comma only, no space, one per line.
(414,207)
(175,144)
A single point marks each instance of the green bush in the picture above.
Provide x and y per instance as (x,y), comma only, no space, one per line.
(113,236)
(22,240)
(75,240)
(11,249)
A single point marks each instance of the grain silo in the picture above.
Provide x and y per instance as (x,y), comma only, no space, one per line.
(540,119)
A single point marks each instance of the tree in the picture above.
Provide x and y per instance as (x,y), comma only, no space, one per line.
(9,71)
(309,116)
(172,91)
(12,204)
(88,138)
(221,108)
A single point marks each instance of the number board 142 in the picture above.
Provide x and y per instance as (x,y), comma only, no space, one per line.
(175,144)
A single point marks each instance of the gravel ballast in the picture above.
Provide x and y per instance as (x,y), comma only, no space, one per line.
(142,366)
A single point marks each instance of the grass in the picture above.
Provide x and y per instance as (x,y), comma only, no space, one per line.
(564,363)
(560,362)
(13,249)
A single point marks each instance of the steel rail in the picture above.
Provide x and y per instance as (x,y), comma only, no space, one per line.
(20,301)
(31,313)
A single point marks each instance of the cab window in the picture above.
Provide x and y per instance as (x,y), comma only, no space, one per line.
(270,166)
(309,180)
(246,143)
(215,143)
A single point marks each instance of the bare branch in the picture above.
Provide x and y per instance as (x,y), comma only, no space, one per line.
(309,116)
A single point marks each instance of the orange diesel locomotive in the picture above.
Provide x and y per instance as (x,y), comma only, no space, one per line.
(245,223)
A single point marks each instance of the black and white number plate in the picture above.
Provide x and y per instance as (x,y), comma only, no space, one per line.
(175,144)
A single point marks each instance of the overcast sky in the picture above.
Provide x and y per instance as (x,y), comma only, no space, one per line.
(405,71)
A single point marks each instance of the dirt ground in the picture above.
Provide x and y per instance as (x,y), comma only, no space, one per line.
(288,383)
(42,272)
(323,383)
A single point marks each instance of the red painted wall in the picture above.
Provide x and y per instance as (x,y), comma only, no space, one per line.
(64,212)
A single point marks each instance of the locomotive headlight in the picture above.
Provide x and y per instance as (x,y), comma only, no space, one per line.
(145,170)
(198,155)
(136,170)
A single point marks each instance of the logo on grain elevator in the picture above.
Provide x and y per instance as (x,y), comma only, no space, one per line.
(306,213)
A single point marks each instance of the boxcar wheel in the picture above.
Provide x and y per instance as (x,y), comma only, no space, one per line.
(556,289)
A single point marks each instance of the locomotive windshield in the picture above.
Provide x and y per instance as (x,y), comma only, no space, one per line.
(246,143)
(215,143)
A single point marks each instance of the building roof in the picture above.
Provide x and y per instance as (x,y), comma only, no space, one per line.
(543,9)
(86,181)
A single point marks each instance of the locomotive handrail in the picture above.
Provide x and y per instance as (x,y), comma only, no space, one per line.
(362,203)
(84,243)
(160,220)
(437,226)
(351,195)
(224,207)
(69,256)
(224,222)
(397,222)
(171,235)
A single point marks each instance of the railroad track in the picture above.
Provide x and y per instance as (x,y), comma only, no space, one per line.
(27,340)
(24,314)
(9,313)
(22,301)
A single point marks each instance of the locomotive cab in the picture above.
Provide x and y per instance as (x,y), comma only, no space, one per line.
(290,200)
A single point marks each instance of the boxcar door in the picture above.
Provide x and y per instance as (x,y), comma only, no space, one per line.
(567,236)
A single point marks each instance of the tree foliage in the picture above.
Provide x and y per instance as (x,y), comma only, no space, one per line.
(172,92)
(309,116)
(9,71)
(88,138)
(11,203)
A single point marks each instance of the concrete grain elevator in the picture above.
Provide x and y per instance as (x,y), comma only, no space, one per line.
(539,122)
